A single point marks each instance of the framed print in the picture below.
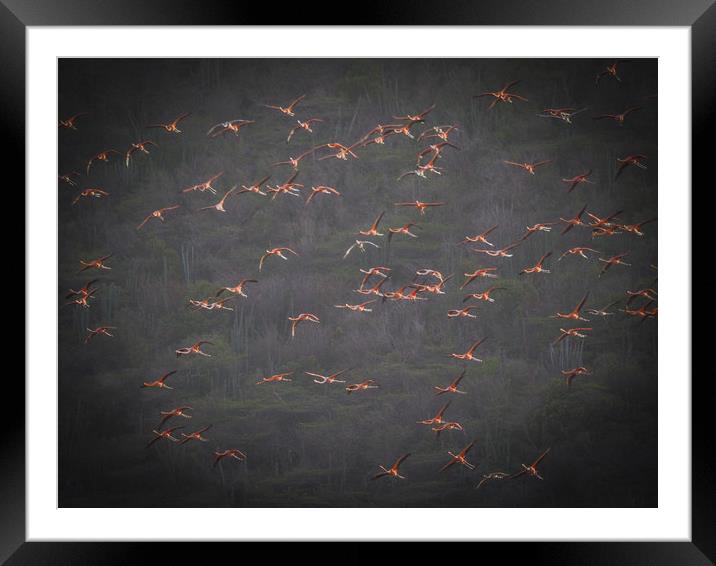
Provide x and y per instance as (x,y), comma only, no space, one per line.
(395,281)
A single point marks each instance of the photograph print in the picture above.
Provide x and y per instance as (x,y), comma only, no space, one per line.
(357,283)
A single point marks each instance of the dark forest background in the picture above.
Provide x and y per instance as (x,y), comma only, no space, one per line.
(314,445)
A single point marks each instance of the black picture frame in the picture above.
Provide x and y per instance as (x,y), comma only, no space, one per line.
(16,15)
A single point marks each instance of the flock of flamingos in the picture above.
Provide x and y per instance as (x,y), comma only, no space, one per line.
(437,139)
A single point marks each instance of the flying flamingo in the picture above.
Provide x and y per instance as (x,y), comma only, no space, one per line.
(287,188)
(636,228)
(194,349)
(84,291)
(436,289)
(420,171)
(427,167)
(219,206)
(483,272)
(578,179)
(503,95)
(90,193)
(104,330)
(233,126)
(379,270)
(642,311)
(460,458)
(420,117)
(159,383)
(275,378)
(332,378)
(602,231)
(430,272)
(624,162)
(610,71)
(485,295)
(413,295)
(404,229)
(420,206)
(574,314)
(83,300)
(358,308)
(435,151)
(230,453)
(69,178)
(572,222)
(618,118)
(101,156)
(575,332)
(171,127)
(164,434)
(178,412)
(602,311)
(491,476)
(322,189)
(287,110)
(614,260)
(580,251)
(531,168)
(374,290)
(256,187)
(362,386)
(139,146)
(539,227)
(98,263)
(196,435)
(468,356)
(438,418)
(404,129)
(237,289)
(564,114)
(447,426)
(393,471)
(360,244)
(452,388)
(342,153)
(441,132)
(538,267)
(598,222)
(381,132)
(502,252)
(480,238)
(275,252)
(210,305)
(294,161)
(570,374)
(398,294)
(462,313)
(649,294)
(159,213)
(302,125)
(296,320)
(373,230)
(531,470)
(69,123)
(205,185)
